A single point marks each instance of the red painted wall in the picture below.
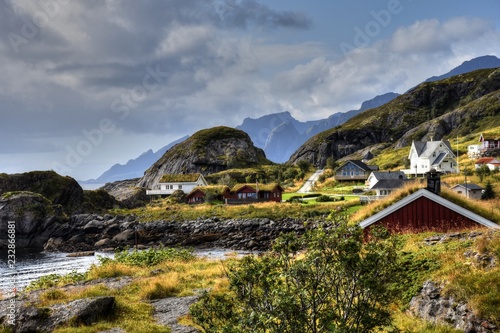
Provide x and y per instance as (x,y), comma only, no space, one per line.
(425,215)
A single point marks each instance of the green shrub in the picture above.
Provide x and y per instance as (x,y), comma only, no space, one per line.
(324,198)
(151,257)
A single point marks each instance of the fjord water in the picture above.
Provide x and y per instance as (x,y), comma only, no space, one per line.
(32,264)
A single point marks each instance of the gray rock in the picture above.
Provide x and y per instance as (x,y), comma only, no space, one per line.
(124,236)
(168,310)
(106,242)
(84,311)
(34,218)
(431,305)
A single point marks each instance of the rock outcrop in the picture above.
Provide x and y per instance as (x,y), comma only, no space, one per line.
(433,306)
(207,151)
(127,193)
(85,311)
(36,220)
(60,190)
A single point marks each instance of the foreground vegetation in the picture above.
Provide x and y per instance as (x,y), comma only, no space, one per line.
(301,275)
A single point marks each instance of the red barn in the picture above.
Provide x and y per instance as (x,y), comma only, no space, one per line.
(425,211)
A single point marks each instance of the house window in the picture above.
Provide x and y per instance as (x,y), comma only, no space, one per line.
(180,187)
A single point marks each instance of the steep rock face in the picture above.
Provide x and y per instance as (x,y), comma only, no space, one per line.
(34,217)
(207,151)
(60,190)
(437,107)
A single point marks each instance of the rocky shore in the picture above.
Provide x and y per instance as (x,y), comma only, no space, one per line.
(90,232)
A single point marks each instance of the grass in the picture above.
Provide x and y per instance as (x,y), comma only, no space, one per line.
(161,210)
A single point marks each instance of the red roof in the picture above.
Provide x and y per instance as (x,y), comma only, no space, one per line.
(484,160)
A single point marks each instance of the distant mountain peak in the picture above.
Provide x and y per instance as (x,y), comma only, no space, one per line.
(483,62)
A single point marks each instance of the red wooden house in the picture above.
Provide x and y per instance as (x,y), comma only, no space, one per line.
(215,192)
(256,192)
(426,211)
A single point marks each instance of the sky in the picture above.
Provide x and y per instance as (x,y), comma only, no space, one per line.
(86,84)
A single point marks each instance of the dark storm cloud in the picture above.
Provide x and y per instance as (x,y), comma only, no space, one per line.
(245,13)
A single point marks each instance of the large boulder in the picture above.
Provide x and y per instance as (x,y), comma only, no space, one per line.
(84,311)
(35,219)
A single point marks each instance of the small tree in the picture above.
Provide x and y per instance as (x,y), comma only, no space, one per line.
(483,171)
(488,192)
(303,165)
(338,284)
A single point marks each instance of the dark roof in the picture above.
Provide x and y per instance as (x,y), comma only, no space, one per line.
(439,158)
(388,184)
(368,156)
(469,186)
(389,175)
(359,164)
(426,148)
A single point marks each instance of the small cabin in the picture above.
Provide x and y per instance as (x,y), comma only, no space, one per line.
(202,194)
(469,190)
(243,193)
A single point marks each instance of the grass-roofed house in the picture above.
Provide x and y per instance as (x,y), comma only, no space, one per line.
(427,210)
(209,193)
(243,193)
(172,182)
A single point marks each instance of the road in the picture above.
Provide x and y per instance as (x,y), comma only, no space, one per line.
(308,184)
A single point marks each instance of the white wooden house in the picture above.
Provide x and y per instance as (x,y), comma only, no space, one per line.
(427,155)
(384,183)
(173,182)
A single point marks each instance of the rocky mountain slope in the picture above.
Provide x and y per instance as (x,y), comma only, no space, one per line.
(457,105)
(280,134)
(207,151)
(483,62)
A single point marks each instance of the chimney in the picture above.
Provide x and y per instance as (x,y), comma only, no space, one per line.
(434,181)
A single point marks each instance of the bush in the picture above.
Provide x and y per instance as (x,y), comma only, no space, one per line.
(324,198)
(151,257)
(291,290)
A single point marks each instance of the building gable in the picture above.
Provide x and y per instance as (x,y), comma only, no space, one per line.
(426,211)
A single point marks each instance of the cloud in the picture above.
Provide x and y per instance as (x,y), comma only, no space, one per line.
(427,36)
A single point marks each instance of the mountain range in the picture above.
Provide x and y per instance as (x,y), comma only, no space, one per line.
(134,168)
(280,135)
